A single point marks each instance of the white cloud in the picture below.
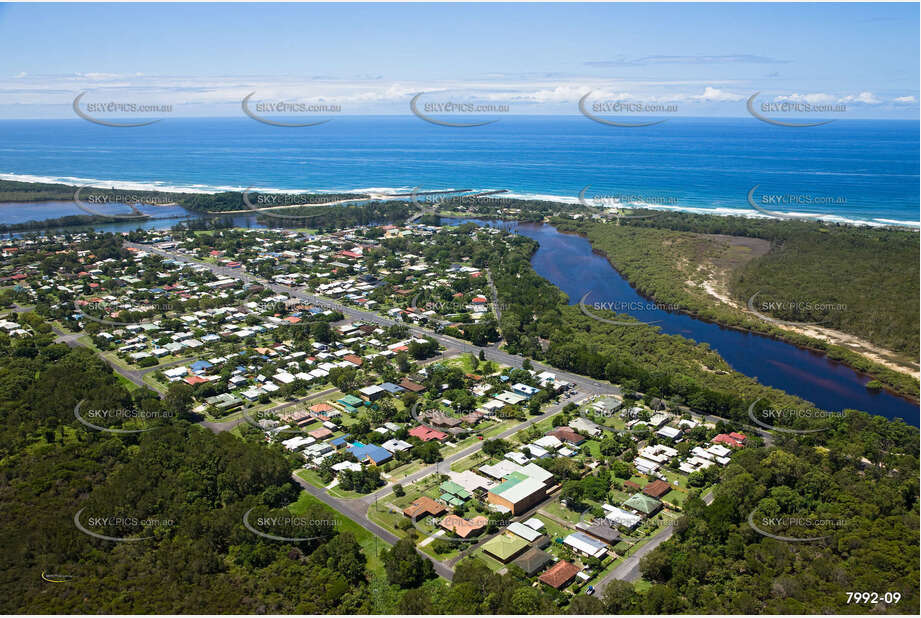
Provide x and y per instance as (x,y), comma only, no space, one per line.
(815,98)
(864,97)
(715,95)
(908,99)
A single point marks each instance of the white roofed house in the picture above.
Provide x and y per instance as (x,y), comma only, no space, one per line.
(549,443)
(669,433)
(644,466)
(586,545)
(526,532)
(586,427)
(396,446)
(298,442)
(622,518)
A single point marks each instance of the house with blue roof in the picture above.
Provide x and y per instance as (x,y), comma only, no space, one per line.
(392,388)
(200,366)
(370,453)
(340,441)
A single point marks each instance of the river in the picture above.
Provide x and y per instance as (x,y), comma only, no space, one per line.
(568,261)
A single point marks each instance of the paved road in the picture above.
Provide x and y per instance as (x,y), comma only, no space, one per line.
(134,375)
(357,511)
(629,569)
(583,382)
(357,508)
(219,426)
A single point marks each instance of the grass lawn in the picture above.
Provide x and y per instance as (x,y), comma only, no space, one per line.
(405,470)
(464,362)
(131,386)
(675,497)
(499,428)
(446,556)
(385,518)
(594,448)
(369,542)
(673,476)
(639,480)
(311,477)
(471,461)
(560,511)
(641,585)
(493,564)
(338,492)
(425,487)
(153,383)
(553,529)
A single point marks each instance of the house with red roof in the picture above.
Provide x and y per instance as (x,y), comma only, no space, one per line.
(560,574)
(728,440)
(321,408)
(320,433)
(427,433)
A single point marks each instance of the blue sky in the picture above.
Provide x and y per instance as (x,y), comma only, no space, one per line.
(702,59)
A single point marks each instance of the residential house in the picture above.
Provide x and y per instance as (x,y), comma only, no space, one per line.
(559,575)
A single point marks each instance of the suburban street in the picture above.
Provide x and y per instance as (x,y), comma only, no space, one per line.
(357,508)
(583,383)
(629,569)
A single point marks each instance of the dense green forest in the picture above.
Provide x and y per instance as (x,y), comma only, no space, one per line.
(800,278)
(867,512)
(182,486)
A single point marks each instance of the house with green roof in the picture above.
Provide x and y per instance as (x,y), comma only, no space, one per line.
(504,547)
(517,493)
(351,403)
(644,504)
(453,489)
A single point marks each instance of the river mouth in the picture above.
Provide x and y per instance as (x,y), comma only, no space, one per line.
(569,262)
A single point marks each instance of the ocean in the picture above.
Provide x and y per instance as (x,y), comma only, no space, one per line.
(859,171)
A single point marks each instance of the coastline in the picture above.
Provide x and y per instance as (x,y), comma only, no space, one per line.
(201,189)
